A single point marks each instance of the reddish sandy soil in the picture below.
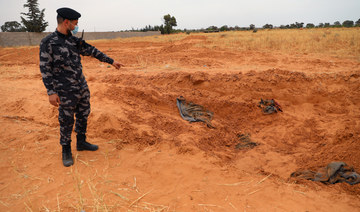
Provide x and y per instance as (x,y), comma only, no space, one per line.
(150,159)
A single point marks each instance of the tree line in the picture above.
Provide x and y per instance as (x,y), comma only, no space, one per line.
(336,24)
(296,25)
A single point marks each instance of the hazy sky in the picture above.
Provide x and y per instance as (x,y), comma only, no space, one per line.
(115,15)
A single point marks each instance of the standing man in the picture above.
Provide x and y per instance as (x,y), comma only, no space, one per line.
(61,71)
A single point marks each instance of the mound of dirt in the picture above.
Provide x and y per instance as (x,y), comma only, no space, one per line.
(152,159)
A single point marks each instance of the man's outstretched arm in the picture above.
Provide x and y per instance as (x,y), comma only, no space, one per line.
(89,50)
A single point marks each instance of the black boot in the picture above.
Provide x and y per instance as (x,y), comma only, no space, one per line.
(67,156)
(81,144)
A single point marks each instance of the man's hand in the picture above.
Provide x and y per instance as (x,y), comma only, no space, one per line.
(117,65)
(54,100)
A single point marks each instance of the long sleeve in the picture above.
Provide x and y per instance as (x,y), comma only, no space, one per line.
(89,50)
(46,68)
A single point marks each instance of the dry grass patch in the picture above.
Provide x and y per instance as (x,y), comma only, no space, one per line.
(341,42)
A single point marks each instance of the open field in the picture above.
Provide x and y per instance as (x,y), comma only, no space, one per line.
(150,159)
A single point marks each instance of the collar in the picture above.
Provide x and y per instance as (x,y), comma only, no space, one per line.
(62,35)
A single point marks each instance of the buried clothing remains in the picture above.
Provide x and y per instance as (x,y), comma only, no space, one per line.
(245,142)
(193,112)
(334,172)
(269,106)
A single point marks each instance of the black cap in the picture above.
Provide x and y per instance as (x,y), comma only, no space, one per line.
(68,13)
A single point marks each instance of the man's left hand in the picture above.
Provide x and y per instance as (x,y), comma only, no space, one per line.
(117,65)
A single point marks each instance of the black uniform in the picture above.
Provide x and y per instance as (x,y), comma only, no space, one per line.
(61,71)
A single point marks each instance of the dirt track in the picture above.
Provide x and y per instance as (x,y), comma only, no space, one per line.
(150,159)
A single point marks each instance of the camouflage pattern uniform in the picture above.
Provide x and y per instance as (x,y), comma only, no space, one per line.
(61,71)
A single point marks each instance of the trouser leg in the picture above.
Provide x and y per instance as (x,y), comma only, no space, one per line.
(68,102)
(82,111)
(66,120)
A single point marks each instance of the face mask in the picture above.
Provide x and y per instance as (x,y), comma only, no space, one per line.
(73,32)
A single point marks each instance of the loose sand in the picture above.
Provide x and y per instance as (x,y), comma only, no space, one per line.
(150,159)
